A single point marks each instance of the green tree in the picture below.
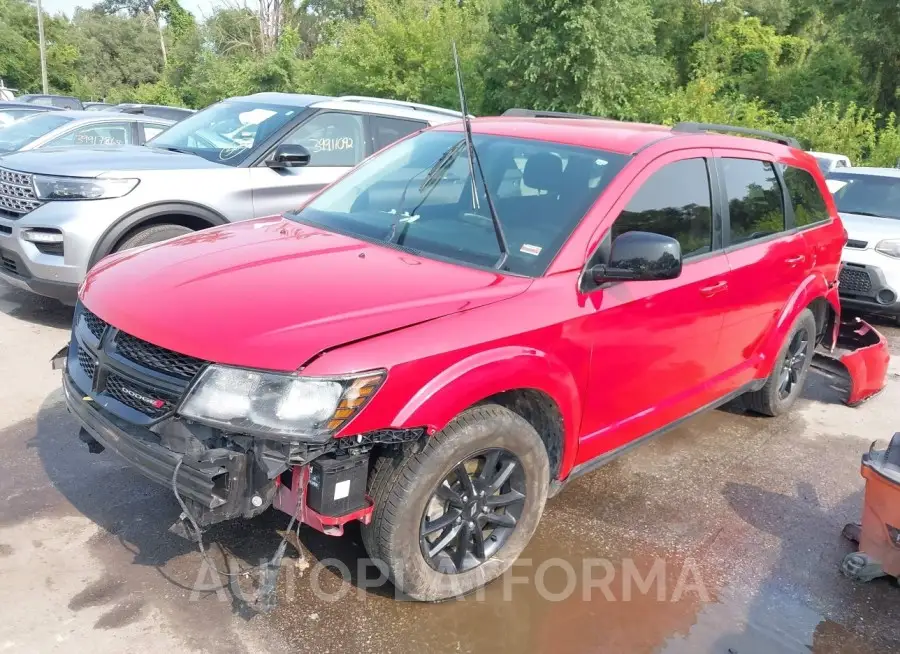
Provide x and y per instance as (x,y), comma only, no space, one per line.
(592,57)
(402,49)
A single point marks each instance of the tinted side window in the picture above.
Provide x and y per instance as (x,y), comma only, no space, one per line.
(755,203)
(387,130)
(333,139)
(675,202)
(809,206)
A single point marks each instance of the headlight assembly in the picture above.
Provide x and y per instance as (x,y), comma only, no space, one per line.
(890,247)
(276,405)
(81,188)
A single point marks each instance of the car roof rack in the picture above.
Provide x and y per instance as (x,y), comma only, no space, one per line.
(697,128)
(401,103)
(534,113)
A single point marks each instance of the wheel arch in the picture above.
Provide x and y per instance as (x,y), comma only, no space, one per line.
(186,214)
(533,384)
(813,294)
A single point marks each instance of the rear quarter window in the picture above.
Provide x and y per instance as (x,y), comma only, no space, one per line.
(806,198)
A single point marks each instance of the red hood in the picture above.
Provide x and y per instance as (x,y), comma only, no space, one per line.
(272,293)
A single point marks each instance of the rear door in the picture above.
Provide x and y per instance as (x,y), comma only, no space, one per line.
(336,142)
(768,258)
(655,343)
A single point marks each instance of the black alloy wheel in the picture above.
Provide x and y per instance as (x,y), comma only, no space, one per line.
(793,363)
(473,511)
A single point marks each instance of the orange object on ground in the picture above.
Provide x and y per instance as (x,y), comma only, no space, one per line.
(879,534)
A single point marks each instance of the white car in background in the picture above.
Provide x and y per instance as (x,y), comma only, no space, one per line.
(868,200)
(828,161)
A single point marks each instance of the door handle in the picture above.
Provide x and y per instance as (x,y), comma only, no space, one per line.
(709,291)
(793,261)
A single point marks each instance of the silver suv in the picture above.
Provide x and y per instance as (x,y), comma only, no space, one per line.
(61,211)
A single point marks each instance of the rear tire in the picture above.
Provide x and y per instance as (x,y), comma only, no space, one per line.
(405,486)
(788,376)
(153,234)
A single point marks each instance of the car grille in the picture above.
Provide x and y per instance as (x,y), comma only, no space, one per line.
(157,358)
(17,196)
(87,362)
(857,245)
(855,280)
(134,373)
(150,401)
(94,324)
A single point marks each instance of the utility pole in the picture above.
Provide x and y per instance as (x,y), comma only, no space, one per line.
(40,18)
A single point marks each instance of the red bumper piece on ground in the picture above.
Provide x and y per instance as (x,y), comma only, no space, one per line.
(862,354)
(286,500)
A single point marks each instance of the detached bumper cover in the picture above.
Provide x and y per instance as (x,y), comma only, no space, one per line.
(861,354)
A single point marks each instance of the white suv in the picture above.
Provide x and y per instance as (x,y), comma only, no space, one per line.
(868,200)
(62,210)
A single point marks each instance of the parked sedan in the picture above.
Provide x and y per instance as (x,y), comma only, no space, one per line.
(868,200)
(79,128)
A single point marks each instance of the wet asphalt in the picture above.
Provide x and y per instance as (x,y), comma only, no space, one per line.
(722,536)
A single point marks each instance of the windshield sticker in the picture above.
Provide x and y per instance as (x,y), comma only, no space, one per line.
(533,250)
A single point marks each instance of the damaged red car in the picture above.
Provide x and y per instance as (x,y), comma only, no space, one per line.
(443,338)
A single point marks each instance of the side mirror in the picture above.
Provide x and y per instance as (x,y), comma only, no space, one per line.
(288,155)
(640,256)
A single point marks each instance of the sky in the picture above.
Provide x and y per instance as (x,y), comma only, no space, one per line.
(199,8)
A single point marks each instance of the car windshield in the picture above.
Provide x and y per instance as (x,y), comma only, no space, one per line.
(215,133)
(867,195)
(417,196)
(17,135)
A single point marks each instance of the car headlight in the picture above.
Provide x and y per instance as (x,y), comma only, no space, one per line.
(890,247)
(81,188)
(276,405)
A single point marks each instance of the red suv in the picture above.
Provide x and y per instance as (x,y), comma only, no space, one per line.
(373,356)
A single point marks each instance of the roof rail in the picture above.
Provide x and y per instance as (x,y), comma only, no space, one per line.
(401,103)
(748,131)
(533,113)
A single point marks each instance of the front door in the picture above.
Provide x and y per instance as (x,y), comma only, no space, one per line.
(336,142)
(655,343)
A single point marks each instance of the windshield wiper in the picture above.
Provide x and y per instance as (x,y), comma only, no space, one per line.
(172,148)
(474,162)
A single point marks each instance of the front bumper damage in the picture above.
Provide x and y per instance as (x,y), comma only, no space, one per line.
(859,355)
(240,478)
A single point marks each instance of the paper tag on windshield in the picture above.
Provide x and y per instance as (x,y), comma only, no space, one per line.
(533,250)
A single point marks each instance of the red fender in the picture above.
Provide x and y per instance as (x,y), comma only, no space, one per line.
(484,374)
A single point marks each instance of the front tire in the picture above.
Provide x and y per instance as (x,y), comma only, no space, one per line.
(788,376)
(454,514)
(153,234)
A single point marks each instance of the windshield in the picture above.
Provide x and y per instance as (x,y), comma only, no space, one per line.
(417,195)
(17,135)
(226,132)
(867,195)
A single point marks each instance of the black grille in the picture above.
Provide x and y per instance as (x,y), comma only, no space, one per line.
(857,245)
(94,324)
(5,230)
(157,358)
(855,280)
(149,401)
(9,264)
(87,362)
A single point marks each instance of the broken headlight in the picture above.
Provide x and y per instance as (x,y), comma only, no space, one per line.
(277,405)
